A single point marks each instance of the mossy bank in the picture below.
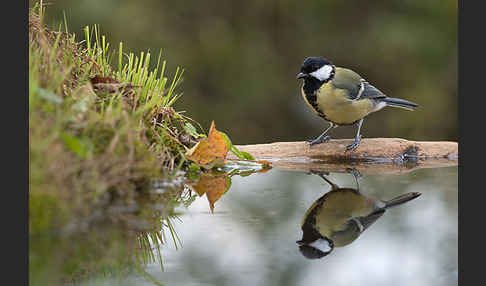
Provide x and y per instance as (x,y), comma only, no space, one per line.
(101,128)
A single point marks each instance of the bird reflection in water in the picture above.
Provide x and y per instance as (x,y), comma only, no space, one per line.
(340,216)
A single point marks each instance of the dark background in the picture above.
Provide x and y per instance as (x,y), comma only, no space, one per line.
(241,58)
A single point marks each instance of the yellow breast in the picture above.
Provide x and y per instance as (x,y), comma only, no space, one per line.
(338,108)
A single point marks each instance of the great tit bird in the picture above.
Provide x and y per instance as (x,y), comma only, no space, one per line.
(339,217)
(341,96)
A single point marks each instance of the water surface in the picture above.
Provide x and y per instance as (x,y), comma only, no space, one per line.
(250,237)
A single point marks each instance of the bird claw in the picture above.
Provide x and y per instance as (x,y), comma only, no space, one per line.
(354,172)
(354,145)
(318,140)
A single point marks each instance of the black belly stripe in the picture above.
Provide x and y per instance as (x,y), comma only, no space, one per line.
(310,89)
(312,100)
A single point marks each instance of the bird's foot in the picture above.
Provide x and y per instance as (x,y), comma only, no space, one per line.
(355,144)
(318,140)
(354,172)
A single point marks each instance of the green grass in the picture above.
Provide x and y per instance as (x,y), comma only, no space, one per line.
(89,138)
(92,143)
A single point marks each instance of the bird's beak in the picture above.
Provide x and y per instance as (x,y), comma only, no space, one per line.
(301,75)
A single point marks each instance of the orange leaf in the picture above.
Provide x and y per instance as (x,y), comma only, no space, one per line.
(209,152)
(213,186)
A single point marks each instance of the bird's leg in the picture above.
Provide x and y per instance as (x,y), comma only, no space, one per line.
(322,175)
(356,175)
(357,139)
(322,138)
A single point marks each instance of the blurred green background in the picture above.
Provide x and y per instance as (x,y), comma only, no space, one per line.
(241,58)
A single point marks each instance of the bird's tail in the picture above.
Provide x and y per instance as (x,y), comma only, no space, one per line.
(401,103)
(401,199)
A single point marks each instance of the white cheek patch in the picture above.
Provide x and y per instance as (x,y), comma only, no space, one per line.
(323,73)
(321,244)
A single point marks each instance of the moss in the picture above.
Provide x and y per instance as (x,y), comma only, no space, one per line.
(97,134)
(94,127)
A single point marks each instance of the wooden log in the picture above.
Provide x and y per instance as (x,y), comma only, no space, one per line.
(398,155)
(369,150)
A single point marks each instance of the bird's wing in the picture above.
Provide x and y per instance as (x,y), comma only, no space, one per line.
(355,86)
(370,219)
(347,80)
(369,91)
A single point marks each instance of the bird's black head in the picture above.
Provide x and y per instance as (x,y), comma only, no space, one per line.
(313,245)
(316,68)
(317,248)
